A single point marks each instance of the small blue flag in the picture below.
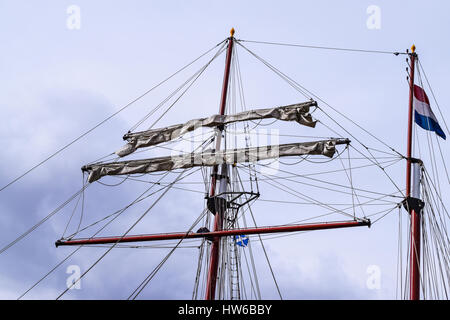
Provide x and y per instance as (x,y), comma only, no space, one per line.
(242,240)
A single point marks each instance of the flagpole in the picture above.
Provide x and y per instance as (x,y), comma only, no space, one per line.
(410,119)
(414,270)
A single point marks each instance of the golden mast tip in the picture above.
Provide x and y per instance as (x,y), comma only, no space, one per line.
(232,31)
(413,48)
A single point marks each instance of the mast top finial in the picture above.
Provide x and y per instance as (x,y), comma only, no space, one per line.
(413,48)
(232,31)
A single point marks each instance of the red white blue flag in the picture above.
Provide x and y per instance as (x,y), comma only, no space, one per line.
(423,115)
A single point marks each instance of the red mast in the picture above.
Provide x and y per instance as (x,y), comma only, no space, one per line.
(414,276)
(219,209)
(410,120)
(218,219)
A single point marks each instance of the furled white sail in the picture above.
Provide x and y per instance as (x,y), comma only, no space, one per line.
(212,158)
(296,112)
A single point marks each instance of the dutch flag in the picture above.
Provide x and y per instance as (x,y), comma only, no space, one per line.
(423,115)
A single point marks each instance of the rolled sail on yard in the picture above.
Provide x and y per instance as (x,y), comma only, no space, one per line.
(295,112)
(212,158)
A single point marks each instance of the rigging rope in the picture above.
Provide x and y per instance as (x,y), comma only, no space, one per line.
(309,94)
(326,182)
(145,282)
(262,244)
(167,188)
(51,214)
(117,213)
(125,234)
(322,47)
(192,80)
(432,93)
(107,119)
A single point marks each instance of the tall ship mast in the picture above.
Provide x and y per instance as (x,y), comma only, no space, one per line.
(233,169)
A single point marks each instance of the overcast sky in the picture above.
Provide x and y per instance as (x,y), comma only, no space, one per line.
(60,78)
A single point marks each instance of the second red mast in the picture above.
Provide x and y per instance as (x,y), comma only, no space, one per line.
(412,198)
